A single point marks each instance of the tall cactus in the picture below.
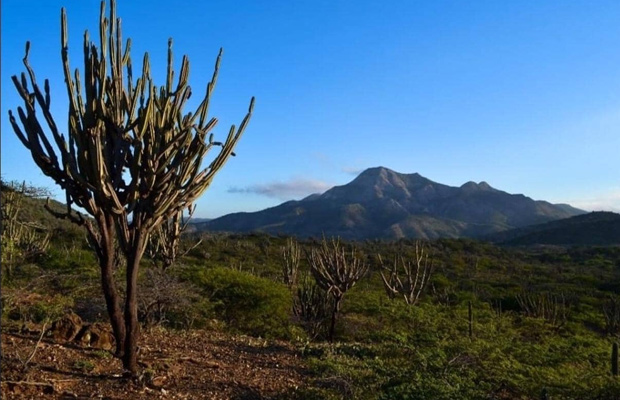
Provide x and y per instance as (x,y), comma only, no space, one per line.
(335,271)
(291,256)
(130,157)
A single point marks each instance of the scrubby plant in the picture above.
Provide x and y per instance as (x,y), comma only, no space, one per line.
(246,303)
(163,295)
(22,241)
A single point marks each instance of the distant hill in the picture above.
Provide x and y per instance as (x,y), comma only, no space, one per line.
(199,220)
(381,203)
(191,226)
(593,229)
(32,211)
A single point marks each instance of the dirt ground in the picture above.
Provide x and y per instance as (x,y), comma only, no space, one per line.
(176,365)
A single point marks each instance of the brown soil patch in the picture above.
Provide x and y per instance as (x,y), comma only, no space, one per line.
(176,365)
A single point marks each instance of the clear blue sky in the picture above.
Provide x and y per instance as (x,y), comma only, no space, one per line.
(524,95)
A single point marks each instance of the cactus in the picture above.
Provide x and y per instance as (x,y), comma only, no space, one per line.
(311,306)
(131,158)
(553,308)
(470,317)
(416,276)
(614,359)
(163,247)
(335,272)
(611,312)
(291,255)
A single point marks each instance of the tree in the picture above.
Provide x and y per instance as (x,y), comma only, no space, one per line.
(335,271)
(130,158)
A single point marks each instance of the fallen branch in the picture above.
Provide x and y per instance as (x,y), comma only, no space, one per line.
(36,346)
(47,384)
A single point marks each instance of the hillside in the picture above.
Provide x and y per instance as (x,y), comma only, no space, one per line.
(381,203)
(593,229)
(32,211)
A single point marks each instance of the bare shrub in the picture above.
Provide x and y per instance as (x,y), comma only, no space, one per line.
(415,275)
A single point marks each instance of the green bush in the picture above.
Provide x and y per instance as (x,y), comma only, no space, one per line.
(246,303)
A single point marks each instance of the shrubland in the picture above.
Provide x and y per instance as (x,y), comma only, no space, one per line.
(543,319)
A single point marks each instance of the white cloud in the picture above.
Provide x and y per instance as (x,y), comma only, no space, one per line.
(606,201)
(291,189)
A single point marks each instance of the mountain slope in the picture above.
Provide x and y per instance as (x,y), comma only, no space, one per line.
(381,203)
(593,229)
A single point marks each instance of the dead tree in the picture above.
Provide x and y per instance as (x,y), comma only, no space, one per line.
(130,157)
(335,271)
(415,277)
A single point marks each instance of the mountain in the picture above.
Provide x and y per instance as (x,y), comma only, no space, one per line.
(593,229)
(381,203)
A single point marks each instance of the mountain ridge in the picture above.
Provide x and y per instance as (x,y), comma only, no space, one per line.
(382,203)
(599,228)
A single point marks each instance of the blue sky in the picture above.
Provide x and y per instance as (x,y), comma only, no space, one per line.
(524,95)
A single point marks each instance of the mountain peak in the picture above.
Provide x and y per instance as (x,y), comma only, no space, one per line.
(375,172)
(473,186)
(384,173)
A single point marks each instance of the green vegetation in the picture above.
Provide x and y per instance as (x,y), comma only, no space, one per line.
(544,319)
(84,365)
(245,303)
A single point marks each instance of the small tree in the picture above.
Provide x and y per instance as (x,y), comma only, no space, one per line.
(415,279)
(130,158)
(335,271)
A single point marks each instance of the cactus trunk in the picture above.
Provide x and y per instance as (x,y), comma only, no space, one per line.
(614,359)
(470,313)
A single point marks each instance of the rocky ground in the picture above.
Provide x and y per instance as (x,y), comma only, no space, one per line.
(175,365)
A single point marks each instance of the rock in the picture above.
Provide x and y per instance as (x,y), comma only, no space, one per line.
(29,328)
(95,335)
(67,327)
(159,381)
